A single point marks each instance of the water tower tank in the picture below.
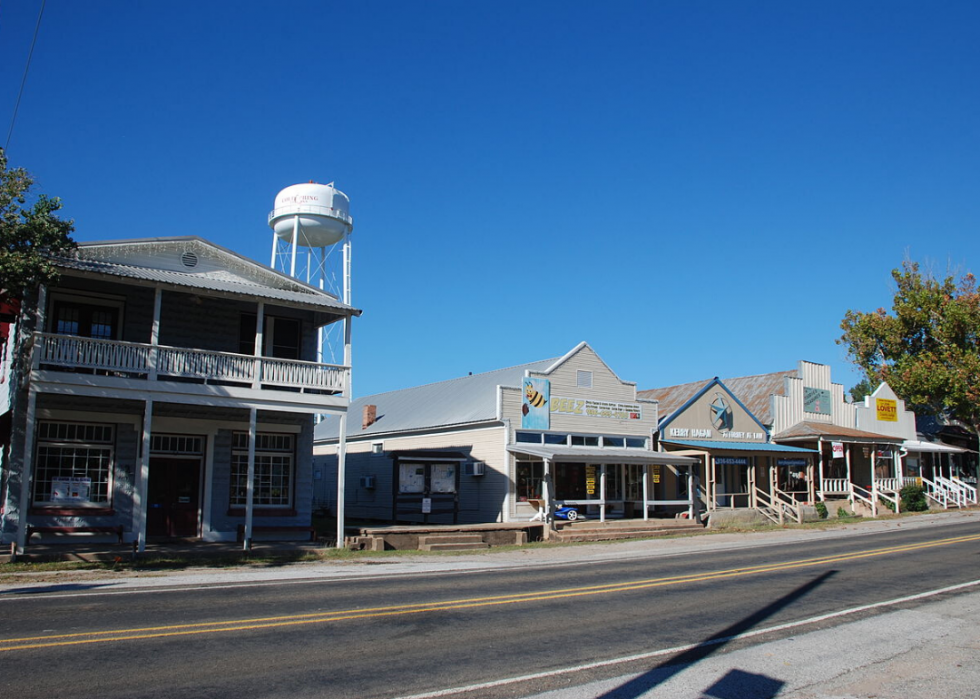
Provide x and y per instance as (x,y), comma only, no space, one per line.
(321,210)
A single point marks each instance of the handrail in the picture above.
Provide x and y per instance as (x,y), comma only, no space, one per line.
(969,490)
(789,504)
(936,492)
(770,509)
(865,496)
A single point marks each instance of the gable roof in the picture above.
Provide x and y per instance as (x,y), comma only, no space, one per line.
(672,398)
(227,274)
(751,391)
(713,383)
(464,400)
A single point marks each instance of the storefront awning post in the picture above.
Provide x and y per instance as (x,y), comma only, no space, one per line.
(646,491)
(694,510)
(546,493)
(250,491)
(602,493)
(820,471)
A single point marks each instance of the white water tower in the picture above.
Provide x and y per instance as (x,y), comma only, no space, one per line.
(308,221)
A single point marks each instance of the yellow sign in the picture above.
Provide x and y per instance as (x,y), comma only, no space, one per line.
(887,409)
(656,474)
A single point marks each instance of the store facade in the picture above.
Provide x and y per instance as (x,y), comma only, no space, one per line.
(739,467)
(512,444)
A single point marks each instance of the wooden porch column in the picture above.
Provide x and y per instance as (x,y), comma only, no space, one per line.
(602,492)
(692,493)
(141,505)
(250,491)
(341,477)
(259,331)
(646,491)
(820,473)
(547,496)
(155,332)
(27,464)
(712,489)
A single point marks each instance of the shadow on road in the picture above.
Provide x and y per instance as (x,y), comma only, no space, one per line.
(735,683)
(47,589)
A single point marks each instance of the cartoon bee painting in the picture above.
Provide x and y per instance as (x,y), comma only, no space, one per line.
(535,410)
(534,399)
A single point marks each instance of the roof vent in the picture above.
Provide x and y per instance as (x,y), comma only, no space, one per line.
(188,259)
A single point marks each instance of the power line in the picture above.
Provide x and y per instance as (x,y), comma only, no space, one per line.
(23,81)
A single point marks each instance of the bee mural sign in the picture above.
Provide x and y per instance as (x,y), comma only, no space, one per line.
(535,404)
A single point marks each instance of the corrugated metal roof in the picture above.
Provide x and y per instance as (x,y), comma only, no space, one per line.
(812,430)
(280,287)
(737,446)
(754,391)
(462,401)
(672,397)
(602,456)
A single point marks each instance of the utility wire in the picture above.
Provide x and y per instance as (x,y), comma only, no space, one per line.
(23,81)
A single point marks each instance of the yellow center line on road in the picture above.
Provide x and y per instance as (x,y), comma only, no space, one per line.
(117,635)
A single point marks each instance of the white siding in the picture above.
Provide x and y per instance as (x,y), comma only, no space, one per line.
(481,498)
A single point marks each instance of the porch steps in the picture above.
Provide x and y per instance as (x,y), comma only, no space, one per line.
(624,529)
(452,542)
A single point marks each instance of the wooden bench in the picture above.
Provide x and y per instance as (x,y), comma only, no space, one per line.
(34,529)
(266,529)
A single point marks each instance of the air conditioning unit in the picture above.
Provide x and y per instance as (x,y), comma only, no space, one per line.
(474,468)
(367,482)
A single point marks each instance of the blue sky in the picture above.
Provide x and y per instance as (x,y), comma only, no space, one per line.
(694,188)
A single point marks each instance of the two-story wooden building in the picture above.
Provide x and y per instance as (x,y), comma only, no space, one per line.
(166,388)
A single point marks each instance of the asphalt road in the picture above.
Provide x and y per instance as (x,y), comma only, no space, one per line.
(420,634)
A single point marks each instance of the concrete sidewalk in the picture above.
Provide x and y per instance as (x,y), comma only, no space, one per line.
(931,652)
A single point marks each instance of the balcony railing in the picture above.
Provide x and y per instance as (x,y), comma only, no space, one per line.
(137,360)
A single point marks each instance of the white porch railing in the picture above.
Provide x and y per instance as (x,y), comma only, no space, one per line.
(835,486)
(962,494)
(936,492)
(133,359)
(89,353)
(890,485)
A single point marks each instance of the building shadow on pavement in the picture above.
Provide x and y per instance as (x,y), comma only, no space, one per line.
(734,685)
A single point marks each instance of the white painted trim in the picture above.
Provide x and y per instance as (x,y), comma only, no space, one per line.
(208,395)
(190,426)
(208,493)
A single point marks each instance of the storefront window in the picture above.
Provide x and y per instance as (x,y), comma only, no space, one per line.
(274,456)
(530,475)
(73,465)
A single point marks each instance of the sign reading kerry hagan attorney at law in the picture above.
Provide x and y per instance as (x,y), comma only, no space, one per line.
(596,408)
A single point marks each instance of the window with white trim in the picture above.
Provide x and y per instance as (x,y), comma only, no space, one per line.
(73,465)
(275,457)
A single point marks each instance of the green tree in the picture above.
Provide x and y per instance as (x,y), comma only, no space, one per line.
(861,389)
(927,348)
(28,234)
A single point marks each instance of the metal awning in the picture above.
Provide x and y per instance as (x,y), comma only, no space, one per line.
(601,456)
(739,446)
(932,447)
